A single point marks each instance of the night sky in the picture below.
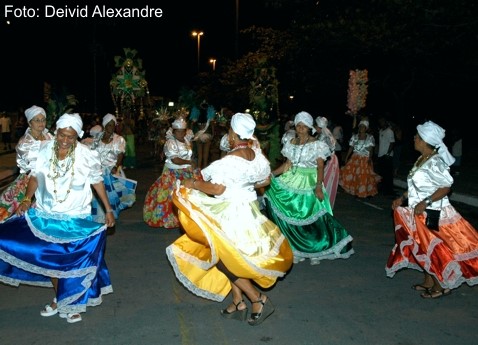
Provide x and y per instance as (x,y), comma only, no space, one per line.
(77,54)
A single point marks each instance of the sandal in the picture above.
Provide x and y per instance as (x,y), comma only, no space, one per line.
(266,311)
(236,314)
(48,310)
(71,317)
(421,287)
(433,294)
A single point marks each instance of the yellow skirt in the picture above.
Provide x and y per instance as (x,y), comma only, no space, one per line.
(233,232)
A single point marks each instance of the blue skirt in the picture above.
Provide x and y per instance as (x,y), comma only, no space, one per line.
(121,193)
(35,249)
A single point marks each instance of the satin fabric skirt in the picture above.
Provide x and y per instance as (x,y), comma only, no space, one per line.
(307,222)
(358,178)
(121,193)
(158,210)
(331,178)
(12,196)
(71,250)
(450,254)
(233,232)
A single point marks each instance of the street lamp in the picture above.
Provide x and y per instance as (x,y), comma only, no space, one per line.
(198,35)
(213,62)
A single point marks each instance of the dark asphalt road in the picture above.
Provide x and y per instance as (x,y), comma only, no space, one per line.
(339,302)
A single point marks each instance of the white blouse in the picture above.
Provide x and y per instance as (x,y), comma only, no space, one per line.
(305,156)
(174,148)
(109,152)
(76,179)
(361,146)
(426,179)
(238,175)
(27,150)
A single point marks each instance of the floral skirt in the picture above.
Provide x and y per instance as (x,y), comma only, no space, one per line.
(12,196)
(158,210)
(312,231)
(234,232)
(450,254)
(34,249)
(358,178)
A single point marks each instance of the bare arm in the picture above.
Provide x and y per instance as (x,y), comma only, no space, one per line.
(204,186)
(100,190)
(27,201)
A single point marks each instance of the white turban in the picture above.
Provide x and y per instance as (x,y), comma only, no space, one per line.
(243,125)
(433,134)
(364,122)
(306,119)
(108,118)
(95,130)
(70,120)
(321,122)
(33,111)
(179,123)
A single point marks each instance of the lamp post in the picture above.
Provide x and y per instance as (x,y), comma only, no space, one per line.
(198,35)
(213,62)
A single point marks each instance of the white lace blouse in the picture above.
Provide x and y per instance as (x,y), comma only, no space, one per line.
(109,152)
(68,194)
(174,148)
(305,156)
(426,179)
(27,150)
(361,146)
(238,175)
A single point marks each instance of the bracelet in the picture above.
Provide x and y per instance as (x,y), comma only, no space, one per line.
(26,199)
(109,211)
(428,200)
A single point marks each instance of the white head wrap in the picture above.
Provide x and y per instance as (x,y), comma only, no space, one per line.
(433,134)
(364,122)
(107,118)
(95,130)
(321,122)
(306,119)
(70,120)
(179,123)
(33,111)
(243,125)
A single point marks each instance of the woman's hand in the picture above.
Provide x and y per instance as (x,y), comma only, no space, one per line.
(420,207)
(188,183)
(319,193)
(397,202)
(22,208)
(110,219)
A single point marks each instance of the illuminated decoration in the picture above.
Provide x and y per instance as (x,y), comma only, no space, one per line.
(128,85)
(357,92)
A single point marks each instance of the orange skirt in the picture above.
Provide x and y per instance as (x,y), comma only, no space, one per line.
(450,254)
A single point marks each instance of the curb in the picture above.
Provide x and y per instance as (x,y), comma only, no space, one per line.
(458,197)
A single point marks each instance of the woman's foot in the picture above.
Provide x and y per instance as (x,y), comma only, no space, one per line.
(421,287)
(72,317)
(261,310)
(237,311)
(50,309)
(433,294)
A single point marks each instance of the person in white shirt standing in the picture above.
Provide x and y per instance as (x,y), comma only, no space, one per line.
(384,167)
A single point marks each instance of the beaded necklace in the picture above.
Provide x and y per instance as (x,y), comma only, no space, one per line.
(240,146)
(295,164)
(419,162)
(60,168)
